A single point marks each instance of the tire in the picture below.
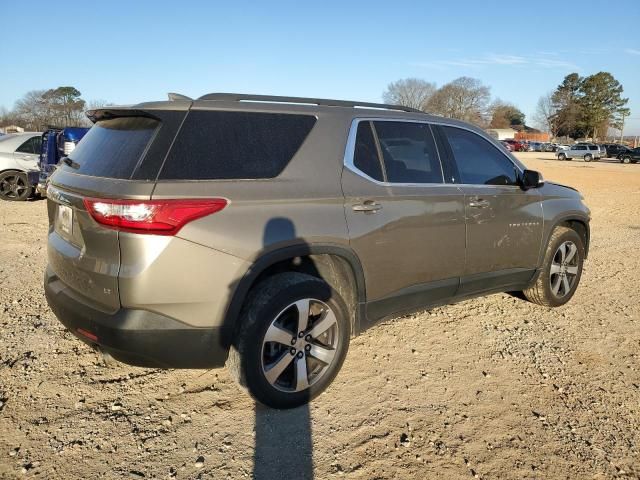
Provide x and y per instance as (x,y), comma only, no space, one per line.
(626,159)
(562,157)
(272,306)
(588,157)
(14,186)
(543,291)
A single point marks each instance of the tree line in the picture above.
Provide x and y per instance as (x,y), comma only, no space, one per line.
(579,107)
(583,106)
(464,98)
(38,110)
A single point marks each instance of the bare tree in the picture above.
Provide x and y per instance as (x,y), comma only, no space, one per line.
(409,92)
(544,117)
(32,111)
(98,103)
(464,98)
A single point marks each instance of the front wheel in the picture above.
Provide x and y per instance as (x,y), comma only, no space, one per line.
(588,157)
(292,340)
(561,271)
(562,156)
(626,159)
(14,186)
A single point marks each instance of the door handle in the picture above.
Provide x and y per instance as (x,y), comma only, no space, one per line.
(368,206)
(478,203)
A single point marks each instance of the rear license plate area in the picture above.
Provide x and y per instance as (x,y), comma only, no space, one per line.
(64,220)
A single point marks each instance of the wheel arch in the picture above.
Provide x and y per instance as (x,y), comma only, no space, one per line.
(575,222)
(337,265)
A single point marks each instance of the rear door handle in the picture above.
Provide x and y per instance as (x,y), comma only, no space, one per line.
(478,203)
(368,206)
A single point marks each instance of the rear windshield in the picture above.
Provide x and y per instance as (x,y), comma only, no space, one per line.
(112,148)
(215,145)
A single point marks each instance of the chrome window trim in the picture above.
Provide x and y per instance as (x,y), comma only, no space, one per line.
(351,144)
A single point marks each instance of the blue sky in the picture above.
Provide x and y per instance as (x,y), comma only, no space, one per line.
(131,51)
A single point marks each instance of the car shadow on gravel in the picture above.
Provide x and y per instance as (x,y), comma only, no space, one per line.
(283,444)
(283,438)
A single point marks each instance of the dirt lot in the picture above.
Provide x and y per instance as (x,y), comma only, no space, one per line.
(491,388)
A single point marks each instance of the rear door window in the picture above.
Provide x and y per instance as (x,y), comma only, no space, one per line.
(409,152)
(365,156)
(30,146)
(112,148)
(214,145)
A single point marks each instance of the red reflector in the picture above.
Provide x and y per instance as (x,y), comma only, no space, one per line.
(89,335)
(156,217)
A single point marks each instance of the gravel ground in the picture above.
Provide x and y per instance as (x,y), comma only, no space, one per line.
(490,388)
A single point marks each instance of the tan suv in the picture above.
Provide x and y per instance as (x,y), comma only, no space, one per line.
(265,232)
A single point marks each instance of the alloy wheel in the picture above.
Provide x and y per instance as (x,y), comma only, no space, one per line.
(564,269)
(12,186)
(300,345)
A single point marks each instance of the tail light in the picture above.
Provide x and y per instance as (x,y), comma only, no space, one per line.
(68,148)
(155,217)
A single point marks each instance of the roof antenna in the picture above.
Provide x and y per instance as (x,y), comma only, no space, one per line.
(178,96)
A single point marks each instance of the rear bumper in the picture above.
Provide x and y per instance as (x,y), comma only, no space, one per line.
(136,337)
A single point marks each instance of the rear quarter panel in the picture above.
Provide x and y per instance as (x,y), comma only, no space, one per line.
(302,206)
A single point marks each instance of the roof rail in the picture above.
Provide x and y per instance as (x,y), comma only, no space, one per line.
(240,97)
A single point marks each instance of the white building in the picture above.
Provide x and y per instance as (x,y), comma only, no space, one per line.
(12,129)
(502,133)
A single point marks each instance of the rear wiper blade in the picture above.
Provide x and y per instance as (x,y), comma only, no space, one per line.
(71,163)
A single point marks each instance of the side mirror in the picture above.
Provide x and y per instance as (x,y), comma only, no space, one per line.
(531,179)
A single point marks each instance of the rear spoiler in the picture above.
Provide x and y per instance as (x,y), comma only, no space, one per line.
(109,113)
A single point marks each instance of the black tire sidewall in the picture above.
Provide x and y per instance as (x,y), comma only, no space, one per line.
(568,235)
(258,318)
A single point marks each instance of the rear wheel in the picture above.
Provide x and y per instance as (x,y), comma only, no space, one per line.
(14,186)
(292,340)
(588,157)
(626,159)
(561,270)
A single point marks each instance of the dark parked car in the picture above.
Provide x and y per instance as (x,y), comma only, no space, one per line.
(631,156)
(614,150)
(265,232)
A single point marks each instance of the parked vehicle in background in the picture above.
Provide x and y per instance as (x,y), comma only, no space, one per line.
(57,143)
(549,147)
(615,150)
(631,156)
(535,146)
(587,152)
(19,154)
(517,146)
(240,229)
(507,145)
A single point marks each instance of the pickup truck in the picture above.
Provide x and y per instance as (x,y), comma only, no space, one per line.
(57,143)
